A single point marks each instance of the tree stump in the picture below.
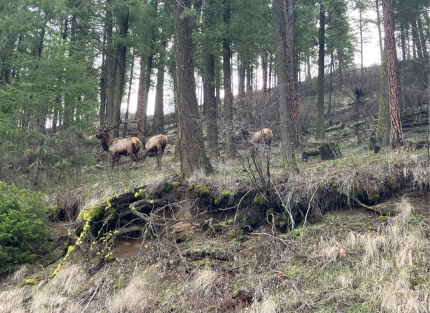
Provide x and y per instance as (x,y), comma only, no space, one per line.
(330,151)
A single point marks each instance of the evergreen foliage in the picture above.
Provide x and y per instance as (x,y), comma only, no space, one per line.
(23,217)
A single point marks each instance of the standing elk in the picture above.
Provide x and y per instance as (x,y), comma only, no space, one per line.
(155,144)
(119,146)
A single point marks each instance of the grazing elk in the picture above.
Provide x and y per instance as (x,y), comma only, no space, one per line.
(119,146)
(155,144)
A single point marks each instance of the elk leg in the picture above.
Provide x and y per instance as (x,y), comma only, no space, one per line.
(146,154)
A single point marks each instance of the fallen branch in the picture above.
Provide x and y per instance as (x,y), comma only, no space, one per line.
(382,209)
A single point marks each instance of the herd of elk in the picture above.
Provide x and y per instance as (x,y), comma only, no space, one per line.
(131,145)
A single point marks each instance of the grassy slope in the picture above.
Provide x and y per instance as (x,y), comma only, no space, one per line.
(353,261)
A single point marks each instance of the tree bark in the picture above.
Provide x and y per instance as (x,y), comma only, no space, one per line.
(141,103)
(110,55)
(422,38)
(124,131)
(210,101)
(264,70)
(158,120)
(396,125)
(122,51)
(228,94)
(331,84)
(289,6)
(321,54)
(287,143)
(191,145)
(416,39)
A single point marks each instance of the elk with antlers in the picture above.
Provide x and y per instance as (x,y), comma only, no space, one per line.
(119,146)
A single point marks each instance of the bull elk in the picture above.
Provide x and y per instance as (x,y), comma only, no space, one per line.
(155,144)
(119,146)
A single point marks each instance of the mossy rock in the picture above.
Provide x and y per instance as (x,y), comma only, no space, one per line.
(330,151)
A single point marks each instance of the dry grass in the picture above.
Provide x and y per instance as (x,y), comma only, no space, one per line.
(139,296)
(12,301)
(69,280)
(50,302)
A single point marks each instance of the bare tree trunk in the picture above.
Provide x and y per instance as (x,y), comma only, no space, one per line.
(331,84)
(282,90)
(264,70)
(361,44)
(383,128)
(191,145)
(422,38)
(124,131)
(122,51)
(141,103)
(321,54)
(210,101)
(416,39)
(228,95)
(158,119)
(396,125)
(289,6)
(110,56)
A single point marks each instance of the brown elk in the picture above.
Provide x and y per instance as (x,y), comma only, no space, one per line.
(119,146)
(155,144)
(262,137)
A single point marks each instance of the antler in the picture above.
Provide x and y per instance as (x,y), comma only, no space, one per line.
(106,128)
(150,132)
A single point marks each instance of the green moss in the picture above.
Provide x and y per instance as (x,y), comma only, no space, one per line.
(217,200)
(372,195)
(33,258)
(244,218)
(357,191)
(96,213)
(269,212)
(168,187)
(140,194)
(231,234)
(202,262)
(259,200)
(236,293)
(176,183)
(226,193)
(31,282)
(192,186)
(217,227)
(202,190)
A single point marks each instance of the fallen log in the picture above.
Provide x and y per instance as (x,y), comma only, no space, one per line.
(382,209)
(307,154)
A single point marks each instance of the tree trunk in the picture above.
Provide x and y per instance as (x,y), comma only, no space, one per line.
(396,125)
(383,128)
(158,119)
(210,102)
(416,39)
(289,6)
(361,44)
(241,85)
(141,103)
(122,51)
(228,95)
(191,145)
(331,84)
(423,39)
(264,70)
(320,104)
(110,56)
(124,131)
(287,143)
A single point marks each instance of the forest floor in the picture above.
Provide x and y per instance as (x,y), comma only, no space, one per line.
(350,259)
